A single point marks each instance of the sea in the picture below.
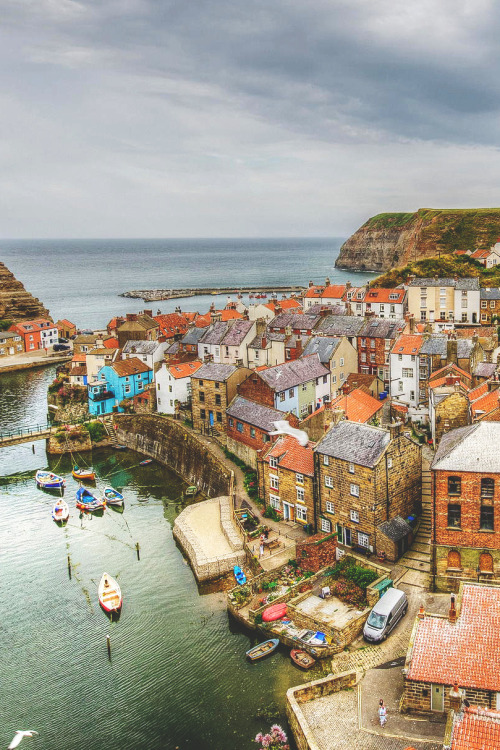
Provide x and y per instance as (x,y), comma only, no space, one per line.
(81,280)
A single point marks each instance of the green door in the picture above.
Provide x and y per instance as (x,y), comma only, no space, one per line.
(437,697)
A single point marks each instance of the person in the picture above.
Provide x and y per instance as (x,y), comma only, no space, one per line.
(382,712)
(261,548)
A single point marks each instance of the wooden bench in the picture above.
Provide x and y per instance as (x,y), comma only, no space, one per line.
(273,544)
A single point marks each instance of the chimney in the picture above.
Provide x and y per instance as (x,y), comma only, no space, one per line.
(148,312)
(455,695)
(325,311)
(348,285)
(345,389)
(263,343)
(277,309)
(298,345)
(337,416)
(452,614)
(493,384)
(411,320)
(451,351)
(327,281)
(311,283)
(395,429)
(260,326)
(131,316)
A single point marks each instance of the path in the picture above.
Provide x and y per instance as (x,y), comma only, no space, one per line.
(37,358)
(204,521)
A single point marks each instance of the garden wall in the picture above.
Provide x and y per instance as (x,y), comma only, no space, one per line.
(317,552)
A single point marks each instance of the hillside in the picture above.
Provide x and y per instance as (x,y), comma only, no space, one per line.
(448,267)
(16,304)
(389,240)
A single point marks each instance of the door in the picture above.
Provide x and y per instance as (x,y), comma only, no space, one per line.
(287,512)
(437,698)
(402,546)
(347,537)
(211,418)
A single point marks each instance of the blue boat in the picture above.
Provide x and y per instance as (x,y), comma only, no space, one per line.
(263,649)
(112,496)
(239,575)
(85,500)
(49,481)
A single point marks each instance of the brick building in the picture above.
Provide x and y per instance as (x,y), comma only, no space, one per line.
(286,480)
(213,387)
(461,650)
(366,476)
(490,306)
(375,341)
(466,505)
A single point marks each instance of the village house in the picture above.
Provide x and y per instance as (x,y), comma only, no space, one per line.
(440,350)
(36,334)
(118,382)
(461,651)
(341,325)
(358,405)
(291,322)
(327,295)
(371,383)
(375,341)
(138,327)
(188,344)
(354,297)
(65,329)
(449,406)
(385,303)
(479,255)
(368,486)
(249,428)
(11,342)
(472,728)
(466,505)
(96,358)
(217,316)
(173,385)
(484,371)
(338,355)
(444,301)
(405,370)
(493,258)
(213,387)
(300,386)
(484,399)
(85,342)
(269,310)
(286,481)
(171,326)
(226,343)
(78,375)
(490,306)
(266,348)
(149,352)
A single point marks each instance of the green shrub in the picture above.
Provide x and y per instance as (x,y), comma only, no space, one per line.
(96,431)
(5,324)
(271,513)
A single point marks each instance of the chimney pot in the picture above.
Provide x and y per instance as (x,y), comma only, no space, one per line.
(421,612)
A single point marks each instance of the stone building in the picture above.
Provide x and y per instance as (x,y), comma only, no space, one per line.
(213,387)
(449,407)
(466,505)
(366,476)
(286,480)
(375,341)
(461,650)
(490,306)
(138,327)
(441,350)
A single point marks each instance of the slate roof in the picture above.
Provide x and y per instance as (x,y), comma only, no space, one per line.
(253,413)
(9,335)
(397,528)
(323,346)
(140,347)
(332,309)
(439,345)
(173,348)
(485,369)
(291,455)
(475,728)
(297,321)
(341,325)
(214,333)
(470,284)
(467,651)
(212,371)
(473,448)
(381,328)
(193,335)
(488,293)
(357,443)
(290,374)
(237,332)
(84,339)
(129,367)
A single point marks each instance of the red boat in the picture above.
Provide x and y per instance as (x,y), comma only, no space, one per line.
(302,659)
(110,595)
(274,612)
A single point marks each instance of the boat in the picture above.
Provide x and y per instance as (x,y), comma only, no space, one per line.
(48,480)
(274,612)
(85,500)
(120,447)
(80,474)
(110,594)
(239,575)
(262,649)
(192,490)
(302,659)
(146,462)
(60,511)
(112,496)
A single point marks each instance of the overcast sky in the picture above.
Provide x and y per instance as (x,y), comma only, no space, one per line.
(172,118)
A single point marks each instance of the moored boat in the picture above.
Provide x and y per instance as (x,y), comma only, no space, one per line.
(110,594)
(302,659)
(263,649)
(192,490)
(85,500)
(274,612)
(60,511)
(146,462)
(112,496)
(48,480)
(239,575)
(88,474)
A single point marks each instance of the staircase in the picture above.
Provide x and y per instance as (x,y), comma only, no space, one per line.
(108,426)
(418,556)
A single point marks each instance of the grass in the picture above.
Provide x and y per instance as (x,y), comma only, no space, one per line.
(445,267)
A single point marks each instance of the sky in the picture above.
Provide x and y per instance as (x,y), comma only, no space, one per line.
(235,118)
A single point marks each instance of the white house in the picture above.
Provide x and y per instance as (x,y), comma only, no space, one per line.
(405,369)
(385,303)
(149,352)
(467,300)
(226,342)
(493,258)
(173,383)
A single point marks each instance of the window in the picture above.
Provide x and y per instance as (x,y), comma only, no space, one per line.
(485,563)
(304,386)
(454,560)
(454,485)
(217,385)
(382,308)
(334,379)
(400,386)
(407,372)
(412,395)
(400,357)
(354,516)
(487,520)
(202,414)
(299,478)
(239,426)
(372,343)
(291,393)
(389,463)
(282,396)
(492,304)
(454,516)
(330,508)
(275,502)
(351,468)
(326,460)
(372,357)
(273,462)
(202,397)
(301,495)
(300,513)
(325,525)
(252,432)
(487,487)
(218,416)
(464,317)
(355,490)
(200,382)
(484,303)
(363,342)
(231,422)
(341,364)
(217,399)
(328,481)
(127,389)
(363,540)
(423,315)
(274,482)
(325,377)
(363,357)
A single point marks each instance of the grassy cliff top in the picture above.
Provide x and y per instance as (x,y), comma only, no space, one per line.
(449,266)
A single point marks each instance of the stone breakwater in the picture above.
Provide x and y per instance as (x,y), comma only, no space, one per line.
(152,295)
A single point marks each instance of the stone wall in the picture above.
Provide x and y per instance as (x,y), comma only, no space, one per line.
(245,452)
(302,732)
(417,697)
(452,412)
(316,552)
(172,444)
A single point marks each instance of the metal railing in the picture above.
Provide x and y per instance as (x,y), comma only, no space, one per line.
(25,432)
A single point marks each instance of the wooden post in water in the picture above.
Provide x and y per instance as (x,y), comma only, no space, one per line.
(33,447)
(137,548)
(108,644)
(69,567)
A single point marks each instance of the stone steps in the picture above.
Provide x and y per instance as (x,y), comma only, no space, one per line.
(423,547)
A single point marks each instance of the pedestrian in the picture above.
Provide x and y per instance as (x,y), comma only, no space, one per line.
(382,712)
(261,550)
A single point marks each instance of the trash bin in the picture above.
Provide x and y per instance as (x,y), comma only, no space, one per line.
(382,586)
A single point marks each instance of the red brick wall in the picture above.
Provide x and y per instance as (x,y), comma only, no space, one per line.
(255,389)
(379,351)
(317,552)
(244,437)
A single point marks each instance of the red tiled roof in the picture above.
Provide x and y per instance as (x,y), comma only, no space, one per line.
(262,367)
(293,456)
(129,366)
(357,379)
(314,291)
(408,344)
(478,392)
(460,252)
(171,323)
(202,321)
(358,405)
(476,728)
(318,411)
(480,254)
(110,343)
(334,291)
(396,296)
(486,403)
(79,358)
(115,322)
(285,304)
(451,369)
(467,651)
(184,369)
(66,323)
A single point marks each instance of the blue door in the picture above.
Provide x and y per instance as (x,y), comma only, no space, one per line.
(211,418)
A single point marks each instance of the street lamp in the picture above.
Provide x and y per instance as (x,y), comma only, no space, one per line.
(478,571)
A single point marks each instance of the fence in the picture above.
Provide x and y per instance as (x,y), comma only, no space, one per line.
(25,432)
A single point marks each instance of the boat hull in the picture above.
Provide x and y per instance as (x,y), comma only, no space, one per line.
(60,512)
(47,480)
(110,595)
(262,649)
(302,659)
(275,612)
(239,575)
(112,497)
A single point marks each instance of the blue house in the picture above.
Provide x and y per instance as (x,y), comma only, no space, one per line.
(121,380)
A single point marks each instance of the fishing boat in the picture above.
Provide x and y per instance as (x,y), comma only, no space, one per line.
(85,500)
(274,612)
(82,474)
(110,594)
(60,511)
(239,575)
(146,462)
(48,480)
(263,649)
(192,490)
(120,447)
(112,496)
(302,659)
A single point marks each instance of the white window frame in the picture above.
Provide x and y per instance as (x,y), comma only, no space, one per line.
(301,513)
(328,481)
(301,494)
(363,540)
(273,462)
(325,525)
(326,460)
(299,478)
(275,502)
(330,507)
(354,515)
(351,468)
(355,490)
(274,481)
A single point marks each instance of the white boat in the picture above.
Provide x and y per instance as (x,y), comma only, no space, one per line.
(48,480)
(112,496)
(60,511)
(110,594)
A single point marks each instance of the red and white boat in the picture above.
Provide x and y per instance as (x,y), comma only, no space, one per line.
(60,511)
(110,594)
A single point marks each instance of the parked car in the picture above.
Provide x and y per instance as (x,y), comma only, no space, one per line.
(62,341)
(385,615)
(61,347)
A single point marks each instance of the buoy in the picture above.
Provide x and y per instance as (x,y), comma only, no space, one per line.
(108,644)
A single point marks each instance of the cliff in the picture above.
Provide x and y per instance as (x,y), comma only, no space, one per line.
(389,240)
(16,304)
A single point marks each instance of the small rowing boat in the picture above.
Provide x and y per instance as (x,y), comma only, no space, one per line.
(110,594)
(112,496)
(119,447)
(274,612)
(83,474)
(85,500)
(60,511)
(239,575)
(146,462)
(263,649)
(48,480)
(302,659)
(192,490)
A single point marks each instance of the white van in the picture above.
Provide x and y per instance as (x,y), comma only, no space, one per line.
(385,615)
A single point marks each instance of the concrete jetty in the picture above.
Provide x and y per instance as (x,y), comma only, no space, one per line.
(152,295)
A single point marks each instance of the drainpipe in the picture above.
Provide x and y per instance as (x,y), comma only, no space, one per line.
(433,539)
(316,492)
